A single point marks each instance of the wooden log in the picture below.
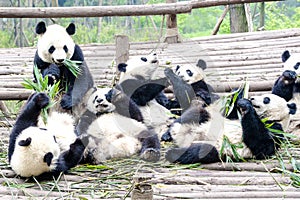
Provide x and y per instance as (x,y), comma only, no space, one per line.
(220,20)
(124,10)
(245,166)
(122,49)
(15,95)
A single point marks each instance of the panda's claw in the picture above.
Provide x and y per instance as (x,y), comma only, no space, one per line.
(151,155)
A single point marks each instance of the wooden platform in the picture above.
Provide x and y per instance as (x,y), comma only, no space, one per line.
(115,179)
(231,60)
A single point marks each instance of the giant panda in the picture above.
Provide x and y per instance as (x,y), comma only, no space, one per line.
(199,134)
(194,75)
(54,46)
(142,80)
(291,61)
(117,129)
(36,149)
(286,87)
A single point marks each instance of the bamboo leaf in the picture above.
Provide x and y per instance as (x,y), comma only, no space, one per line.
(73,66)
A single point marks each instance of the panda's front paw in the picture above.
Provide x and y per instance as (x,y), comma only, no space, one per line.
(51,79)
(151,155)
(66,102)
(41,99)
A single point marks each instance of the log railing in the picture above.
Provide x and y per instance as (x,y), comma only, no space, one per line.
(123,10)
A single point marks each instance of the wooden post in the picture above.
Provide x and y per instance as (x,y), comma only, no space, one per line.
(172,35)
(122,48)
(238,20)
(262,16)
(122,54)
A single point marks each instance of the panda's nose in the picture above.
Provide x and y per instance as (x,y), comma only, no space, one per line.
(60,60)
(99,100)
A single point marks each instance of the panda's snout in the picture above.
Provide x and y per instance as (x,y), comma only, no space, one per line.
(60,60)
(99,100)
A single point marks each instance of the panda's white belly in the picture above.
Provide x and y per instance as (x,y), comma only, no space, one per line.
(212,132)
(114,136)
(156,116)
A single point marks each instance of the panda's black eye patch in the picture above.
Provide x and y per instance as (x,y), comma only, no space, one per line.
(177,68)
(297,66)
(144,59)
(66,49)
(96,97)
(189,72)
(266,100)
(51,49)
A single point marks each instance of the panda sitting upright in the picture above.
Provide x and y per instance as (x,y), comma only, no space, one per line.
(54,46)
(141,80)
(117,131)
(37,149)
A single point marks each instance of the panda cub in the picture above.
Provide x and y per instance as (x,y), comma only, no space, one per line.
(54,46)
(199,134)
(117,131)
(35,150)
(141,80)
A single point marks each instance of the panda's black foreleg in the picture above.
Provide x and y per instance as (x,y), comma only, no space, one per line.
(150,150)
(53,73)
(196,153)
(71,157)
(28,117)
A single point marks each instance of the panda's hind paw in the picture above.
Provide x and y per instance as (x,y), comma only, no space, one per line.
(172,155)
(151,155)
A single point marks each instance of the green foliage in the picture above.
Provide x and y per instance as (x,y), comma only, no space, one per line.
(5,40)
(41,85)
(73,66)
(200,22)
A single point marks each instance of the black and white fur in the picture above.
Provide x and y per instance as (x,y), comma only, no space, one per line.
(54,46)
(141,80)
(37,149)
(118,130)
(200,138)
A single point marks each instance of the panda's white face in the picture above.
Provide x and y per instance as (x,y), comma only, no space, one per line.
(190,73)
(143,66)
(292,62)
(271,106)
(98,103)
(34,148)
(55,45)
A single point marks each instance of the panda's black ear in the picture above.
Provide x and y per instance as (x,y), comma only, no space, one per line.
(71,29)
(202,64)
(25,143)
(292,107)
(285,55)
(122,67)
(48,158)
(40,28)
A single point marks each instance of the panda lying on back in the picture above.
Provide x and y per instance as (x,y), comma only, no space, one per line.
(34,150)
(207,126)
(201,140)
(117,130)
(54,46)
